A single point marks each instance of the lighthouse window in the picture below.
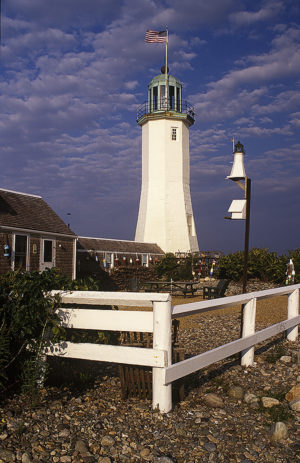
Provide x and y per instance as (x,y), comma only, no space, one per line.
(178,99)
(174,133)
(155,97)
(171,97)
(162,97)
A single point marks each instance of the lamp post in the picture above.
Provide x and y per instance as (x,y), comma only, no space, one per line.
(240,208)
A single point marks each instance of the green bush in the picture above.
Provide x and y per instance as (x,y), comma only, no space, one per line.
(262,264)
(170,267)
(27,312)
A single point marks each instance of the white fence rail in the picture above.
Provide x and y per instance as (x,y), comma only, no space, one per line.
(159,322)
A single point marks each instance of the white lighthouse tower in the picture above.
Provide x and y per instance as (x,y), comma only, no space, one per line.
(165,212)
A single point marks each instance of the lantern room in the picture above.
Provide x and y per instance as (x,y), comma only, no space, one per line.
(162,102)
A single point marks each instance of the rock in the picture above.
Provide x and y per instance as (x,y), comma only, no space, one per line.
(65,459)
(286,359)
(213,400)
(146,454)
(7,456)
(107,441)
(163,460)
(294,393)
(280,431)
(64,433)
(26,458)
(250,398)
(269,402)
(81,447)
(104,460)
(210,446)
(236,392)
(295,405)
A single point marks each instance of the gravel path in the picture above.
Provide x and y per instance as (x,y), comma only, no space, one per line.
(222,418)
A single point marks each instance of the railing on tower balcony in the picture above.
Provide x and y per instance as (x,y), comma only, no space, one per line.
(156,106)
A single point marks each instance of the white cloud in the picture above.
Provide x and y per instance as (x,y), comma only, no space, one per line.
(270,9)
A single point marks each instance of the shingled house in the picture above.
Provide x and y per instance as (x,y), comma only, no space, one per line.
(111,254)
(32,236)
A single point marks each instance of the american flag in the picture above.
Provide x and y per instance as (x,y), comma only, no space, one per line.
(156,36)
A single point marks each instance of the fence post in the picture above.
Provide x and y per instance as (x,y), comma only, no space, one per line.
(162,340)
(249,314)
(293,311)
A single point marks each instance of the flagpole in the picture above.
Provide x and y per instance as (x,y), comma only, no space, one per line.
(166,71)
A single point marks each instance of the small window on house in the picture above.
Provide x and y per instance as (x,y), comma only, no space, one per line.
(145,260)
(48,251)
(20,252)
(174,133)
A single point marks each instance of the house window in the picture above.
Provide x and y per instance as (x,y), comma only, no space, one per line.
(21,252)
(174,133)
(145,260)
(48,251)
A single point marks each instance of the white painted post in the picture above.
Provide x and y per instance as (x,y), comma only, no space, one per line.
(293,311)
(162,340)
(249,314)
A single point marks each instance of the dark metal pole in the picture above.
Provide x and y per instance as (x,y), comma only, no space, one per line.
(247,229)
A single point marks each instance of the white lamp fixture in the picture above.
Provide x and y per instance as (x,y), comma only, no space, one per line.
(238,169)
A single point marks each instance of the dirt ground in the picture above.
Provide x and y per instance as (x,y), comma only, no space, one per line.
(268,311)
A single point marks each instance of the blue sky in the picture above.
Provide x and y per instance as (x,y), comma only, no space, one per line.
(73,73)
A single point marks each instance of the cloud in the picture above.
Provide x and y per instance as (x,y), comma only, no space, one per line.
(269,10)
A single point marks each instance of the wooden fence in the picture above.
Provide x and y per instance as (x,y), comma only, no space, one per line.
(159,321)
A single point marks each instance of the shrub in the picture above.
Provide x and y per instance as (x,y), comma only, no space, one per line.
(262,264)
(171,267)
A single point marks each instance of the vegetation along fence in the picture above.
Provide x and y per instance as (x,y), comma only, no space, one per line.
(159,321)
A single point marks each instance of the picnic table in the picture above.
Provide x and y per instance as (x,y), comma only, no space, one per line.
(185,287)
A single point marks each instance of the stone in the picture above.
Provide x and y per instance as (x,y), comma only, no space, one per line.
(163,460)
(286,359)
(213,400)
(269,402)
(107,441)
(65,459)
(64,433)
(7,456)
(81,447)
(26,458)
(295,405)
(236,392)
(210,446)
(250,398)
(294,393)
(104,460)
(279,431)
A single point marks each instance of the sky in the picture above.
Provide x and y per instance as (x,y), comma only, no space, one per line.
(74,72)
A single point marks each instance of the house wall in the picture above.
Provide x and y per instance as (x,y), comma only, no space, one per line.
(64,253)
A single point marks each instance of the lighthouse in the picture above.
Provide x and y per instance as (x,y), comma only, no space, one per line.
(165,212)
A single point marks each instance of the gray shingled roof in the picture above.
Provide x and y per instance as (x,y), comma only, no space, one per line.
(101,244)
(20,210)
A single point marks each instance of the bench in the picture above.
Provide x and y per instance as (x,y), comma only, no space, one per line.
(184,287)
(213,292)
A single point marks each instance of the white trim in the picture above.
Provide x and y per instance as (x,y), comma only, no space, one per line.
(20,193)
(74,259)
(113,239)
(121,252)
(13,253)
(38,232)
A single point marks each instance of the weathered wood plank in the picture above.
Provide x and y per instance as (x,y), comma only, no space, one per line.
(112,320)
(111,298)
(183,310)
(104,353)
(200,361)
